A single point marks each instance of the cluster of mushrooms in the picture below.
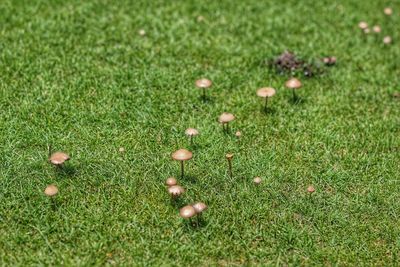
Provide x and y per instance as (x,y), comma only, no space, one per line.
(182,155)
(376,29)
(57,159)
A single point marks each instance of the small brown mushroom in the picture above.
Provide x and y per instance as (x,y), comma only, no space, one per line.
(229,158)
(58,158)
(388,11)
(191,132)
(199,207)
(171,181)
(176,191)
(310,189)
(203,84)
(51,190)
(187,212)
(182,155)
(257,180)
(266,92)
(376,29)
(293,84)
(363,25)
(225,118)
(387,40)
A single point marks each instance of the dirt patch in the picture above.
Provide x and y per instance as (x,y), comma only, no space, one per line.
(290,63)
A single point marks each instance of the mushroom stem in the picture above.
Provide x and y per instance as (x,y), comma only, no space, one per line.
(204,93)
(182,168)
(294,95)
(266,104)
(49,150)
(230,168)
(191,140)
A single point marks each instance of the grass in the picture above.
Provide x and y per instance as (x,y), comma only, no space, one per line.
(77,75)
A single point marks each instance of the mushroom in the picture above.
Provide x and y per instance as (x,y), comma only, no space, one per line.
(121,150)
(175,191)
(310,189)
(51,190)
(58,158)
(191,132)
(229,158)
(225,118)
(329,61)
(266,92)
(182,155)
(142,32)
(293,84)
(377,29)
(363,25)
(388,11)
(199,207)
(387,40)
(238,135)
(171,181)
(203,84)
(187,212)
(367,30)
(257,180)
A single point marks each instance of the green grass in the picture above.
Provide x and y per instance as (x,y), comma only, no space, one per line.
(76,74)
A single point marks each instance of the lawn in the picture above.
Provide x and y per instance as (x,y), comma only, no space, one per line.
(78,76)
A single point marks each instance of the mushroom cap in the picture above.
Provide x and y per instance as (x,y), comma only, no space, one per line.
(187,212)
(58,158)
(388,11)
(257,180)
(229,156)
(363,25)
(226,117)
(191,132)
(266,92)
(293,83)
(176,190)
(203,83)
(387,40)
(377,29)
(171,181)
(310,189)
(367,30)
(199,207)
(142,32)
(51,190)
(182,154)
(238,134)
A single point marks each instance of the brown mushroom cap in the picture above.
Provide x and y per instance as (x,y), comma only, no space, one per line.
(229,156)
(377,29)
(51,190)
(171,181)
(257,180)
(187,212)
(182,154)
(293,83)
(226,117)
(363,25)
(266,92)
(191,132)
(310,189)
(238,134)
(388,11)
(58,158)
(203,83)
(199,207)
(176,190)
(387,40)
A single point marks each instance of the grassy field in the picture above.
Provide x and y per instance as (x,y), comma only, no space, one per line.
(77,75)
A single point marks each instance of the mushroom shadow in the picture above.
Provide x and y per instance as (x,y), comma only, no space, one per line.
(297,100)
(66,171)
(268,111)
(207,99)
(190,178)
